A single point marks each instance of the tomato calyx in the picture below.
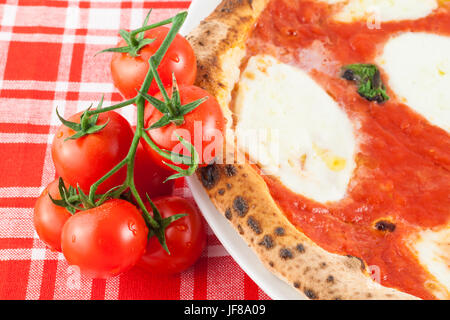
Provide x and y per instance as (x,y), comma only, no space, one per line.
(74,199)
(160,233)
(69,198)
(134,43)
(171,108)
(87,125)
(135,39)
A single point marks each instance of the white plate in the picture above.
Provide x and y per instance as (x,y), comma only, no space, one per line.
(230,239)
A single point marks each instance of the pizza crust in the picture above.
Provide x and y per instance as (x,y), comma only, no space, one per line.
(240,193)
(218,43)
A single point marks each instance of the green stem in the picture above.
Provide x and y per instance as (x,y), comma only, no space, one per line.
(173,112)
(95,186)
(151,26)
(178,21)
(129,160)
(169,155)
(131,157)
(147,215)
(110,108)
(84,122)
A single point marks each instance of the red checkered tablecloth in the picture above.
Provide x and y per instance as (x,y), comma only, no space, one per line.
(47,60)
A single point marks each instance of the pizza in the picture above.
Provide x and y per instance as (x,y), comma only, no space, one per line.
(336,167)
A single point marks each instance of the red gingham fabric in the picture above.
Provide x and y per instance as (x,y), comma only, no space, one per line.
(47,60)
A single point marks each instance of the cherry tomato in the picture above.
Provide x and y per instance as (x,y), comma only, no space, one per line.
(49,218)
(205,123)
(149,177)
(185,238)
(128,73)
(105,241)
(85,160)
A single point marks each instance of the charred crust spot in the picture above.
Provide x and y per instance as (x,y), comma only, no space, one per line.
(300,248)
(240,205)
(228,214)
(296,284)
(310,294)
(240,230)
(286,254)
(254,225)
(228,186)
(271,264)
(267,242)
(230,170)
(330,279)
(363,265)
(229,6)
(221,191)
(209,175)
(323,265)
(279,231)
(385,226)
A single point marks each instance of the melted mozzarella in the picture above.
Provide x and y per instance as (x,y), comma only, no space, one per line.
(294,129)
(382,10)
(433,252)
(418,66)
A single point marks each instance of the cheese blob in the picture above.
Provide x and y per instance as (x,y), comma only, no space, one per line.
(377,11)
(433,251)
(418,67)
(294,130)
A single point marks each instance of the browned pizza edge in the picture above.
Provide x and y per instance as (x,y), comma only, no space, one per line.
(241,194)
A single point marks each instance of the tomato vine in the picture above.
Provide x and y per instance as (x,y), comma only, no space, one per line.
(79,200)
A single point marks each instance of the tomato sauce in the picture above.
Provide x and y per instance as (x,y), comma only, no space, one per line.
(403,162)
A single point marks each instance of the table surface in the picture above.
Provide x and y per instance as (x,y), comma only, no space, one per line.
(46,61)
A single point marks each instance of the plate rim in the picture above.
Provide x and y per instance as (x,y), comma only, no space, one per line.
(238,249)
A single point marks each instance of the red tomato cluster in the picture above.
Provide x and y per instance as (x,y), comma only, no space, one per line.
(110,238)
